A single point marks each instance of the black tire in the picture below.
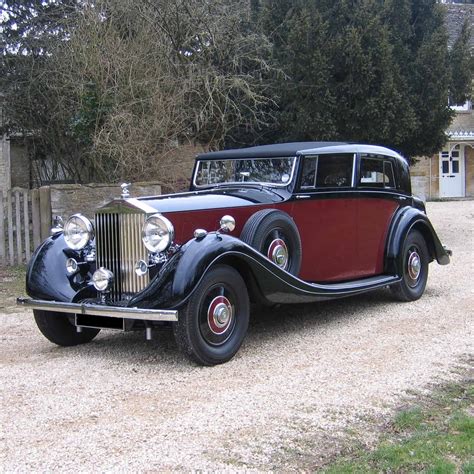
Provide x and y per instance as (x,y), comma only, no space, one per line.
(414,262)
(268,226)
(57,328)
(199,333)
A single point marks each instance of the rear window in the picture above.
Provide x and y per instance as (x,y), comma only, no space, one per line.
(376,172)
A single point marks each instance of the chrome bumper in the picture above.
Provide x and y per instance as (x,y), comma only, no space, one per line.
(99,310)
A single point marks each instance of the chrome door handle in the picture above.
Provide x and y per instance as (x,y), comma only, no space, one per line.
(302,196)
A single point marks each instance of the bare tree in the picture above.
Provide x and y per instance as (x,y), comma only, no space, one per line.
(129,88)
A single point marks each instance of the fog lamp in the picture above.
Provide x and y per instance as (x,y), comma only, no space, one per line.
(102,279)
(72,266)
(141,268)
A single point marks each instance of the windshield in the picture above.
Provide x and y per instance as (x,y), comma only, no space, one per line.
(273,171)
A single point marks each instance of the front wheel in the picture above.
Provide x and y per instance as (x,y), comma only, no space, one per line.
(57,328)
(414,264)
(212,325)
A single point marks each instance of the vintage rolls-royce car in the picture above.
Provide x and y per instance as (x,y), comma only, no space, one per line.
(286,223)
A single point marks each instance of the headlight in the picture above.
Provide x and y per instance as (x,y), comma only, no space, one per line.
(157,233)
(78,232)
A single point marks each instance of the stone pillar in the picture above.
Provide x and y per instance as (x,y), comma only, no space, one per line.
(5,174)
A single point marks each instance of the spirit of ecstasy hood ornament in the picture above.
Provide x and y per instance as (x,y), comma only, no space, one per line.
(125,190)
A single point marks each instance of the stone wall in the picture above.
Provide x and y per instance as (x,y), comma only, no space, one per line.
(67,199)
(420,177)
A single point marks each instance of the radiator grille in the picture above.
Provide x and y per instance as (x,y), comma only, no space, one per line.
(119,246)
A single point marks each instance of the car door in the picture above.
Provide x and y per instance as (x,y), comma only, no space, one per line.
(325,211)
(378,201)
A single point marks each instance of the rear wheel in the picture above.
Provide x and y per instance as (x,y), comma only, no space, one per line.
(212,326)
(274,233)
(414,264)
(58,329)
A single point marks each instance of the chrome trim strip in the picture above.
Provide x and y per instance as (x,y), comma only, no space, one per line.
(354,162)
(142,206)
(123,206)
(98,310)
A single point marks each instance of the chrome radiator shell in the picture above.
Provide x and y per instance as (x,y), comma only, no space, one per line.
(119,246)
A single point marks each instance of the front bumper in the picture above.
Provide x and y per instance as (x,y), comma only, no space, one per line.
(90,309)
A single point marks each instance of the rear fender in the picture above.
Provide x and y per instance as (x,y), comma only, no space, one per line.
(405,220)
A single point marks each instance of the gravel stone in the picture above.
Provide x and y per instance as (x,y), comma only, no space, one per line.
(305,377)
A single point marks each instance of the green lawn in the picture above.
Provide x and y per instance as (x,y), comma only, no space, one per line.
(434,436)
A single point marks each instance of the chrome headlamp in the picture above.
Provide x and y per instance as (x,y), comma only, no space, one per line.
(157,233)
(78,232)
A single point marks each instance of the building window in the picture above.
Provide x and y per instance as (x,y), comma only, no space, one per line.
(466,107)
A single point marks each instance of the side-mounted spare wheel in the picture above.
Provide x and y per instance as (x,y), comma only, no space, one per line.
(274,233)
(212,325)
(414,263)
(58,329)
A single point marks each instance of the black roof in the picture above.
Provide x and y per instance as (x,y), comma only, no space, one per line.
(265,151)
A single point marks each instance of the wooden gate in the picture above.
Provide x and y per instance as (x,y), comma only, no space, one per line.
(25,221)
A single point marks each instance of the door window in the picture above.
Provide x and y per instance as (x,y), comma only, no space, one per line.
(327,171)
(450,163)
(308,176)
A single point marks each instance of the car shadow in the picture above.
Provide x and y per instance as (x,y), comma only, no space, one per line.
(268,326)
(281,319)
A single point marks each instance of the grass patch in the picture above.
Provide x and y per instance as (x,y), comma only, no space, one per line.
(434,436)
(12,285)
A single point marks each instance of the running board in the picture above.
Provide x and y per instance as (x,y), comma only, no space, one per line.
(359,285)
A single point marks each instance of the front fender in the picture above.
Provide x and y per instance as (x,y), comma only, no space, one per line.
(406,219)
(177,279)
(46,277)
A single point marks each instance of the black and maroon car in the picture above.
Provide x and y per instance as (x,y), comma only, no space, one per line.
(287,223)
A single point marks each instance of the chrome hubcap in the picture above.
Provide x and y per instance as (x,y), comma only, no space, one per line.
(219,315)
(278,253)
(414,265)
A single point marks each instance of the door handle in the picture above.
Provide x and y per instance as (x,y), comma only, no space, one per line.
(302,196)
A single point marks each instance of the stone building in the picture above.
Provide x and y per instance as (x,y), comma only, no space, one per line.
(450,173)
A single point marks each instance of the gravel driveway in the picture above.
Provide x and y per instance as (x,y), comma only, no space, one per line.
(305,379)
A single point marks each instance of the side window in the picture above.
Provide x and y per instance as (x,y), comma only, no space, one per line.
(376,172)
(334,171)
(308,175)
(389,177)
